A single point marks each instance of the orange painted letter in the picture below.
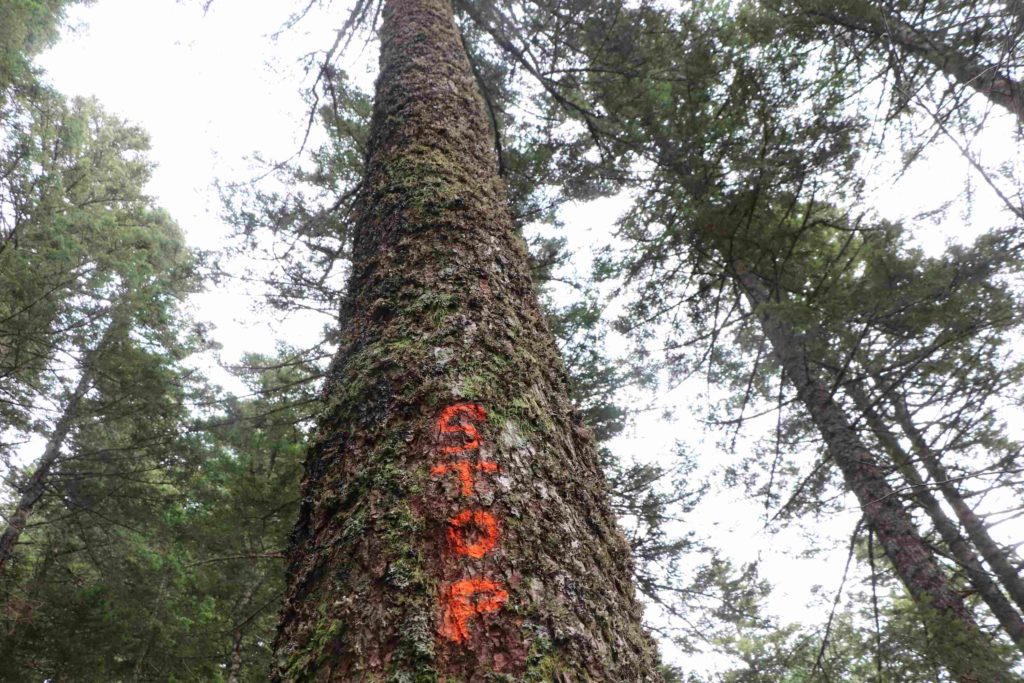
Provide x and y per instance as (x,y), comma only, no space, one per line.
(449,423)
(465,471)
(486,527)
(466,599)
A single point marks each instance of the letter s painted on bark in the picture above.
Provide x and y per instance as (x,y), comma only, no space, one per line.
(450,423)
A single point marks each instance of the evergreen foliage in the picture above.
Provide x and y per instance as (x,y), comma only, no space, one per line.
(146,512)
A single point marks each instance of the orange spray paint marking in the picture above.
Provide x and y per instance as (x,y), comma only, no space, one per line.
(464,469)
(470,412)
(466,599)
(485,525)
(471,533)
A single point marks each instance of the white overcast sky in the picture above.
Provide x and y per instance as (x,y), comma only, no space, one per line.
(212,90)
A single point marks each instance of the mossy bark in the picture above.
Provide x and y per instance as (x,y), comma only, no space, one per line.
(404,500)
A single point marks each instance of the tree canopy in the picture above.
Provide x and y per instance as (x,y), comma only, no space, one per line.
(859,382)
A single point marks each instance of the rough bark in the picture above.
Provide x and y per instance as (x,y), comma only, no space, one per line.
(1008,617)
(988,80)
(996,556)
(32,491)
(455,523)
(957,641)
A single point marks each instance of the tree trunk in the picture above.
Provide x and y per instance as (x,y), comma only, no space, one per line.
(154,630)
(1008,617)
(958,643)
(455,522)
(989,80)
(996,556)
(235,664)
(238,633)
(33,489)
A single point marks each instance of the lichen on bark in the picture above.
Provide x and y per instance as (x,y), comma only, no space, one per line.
(441,310)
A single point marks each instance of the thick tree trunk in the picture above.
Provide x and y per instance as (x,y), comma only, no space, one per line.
(1008,617)
(958,643)
(455,523)
(32,491)
(996,556)
(989,80)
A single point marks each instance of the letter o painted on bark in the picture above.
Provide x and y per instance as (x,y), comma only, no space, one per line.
(481,521)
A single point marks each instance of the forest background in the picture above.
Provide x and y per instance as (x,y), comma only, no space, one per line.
(160,547)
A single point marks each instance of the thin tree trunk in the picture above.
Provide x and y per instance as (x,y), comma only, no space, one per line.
(989,80)
(959,644)
(237,634)
(235,665)
(996,556)
(1008,617)
(140,663)
(455,522)
(33,489)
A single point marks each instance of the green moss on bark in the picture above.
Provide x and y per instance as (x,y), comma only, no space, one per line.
(441,309)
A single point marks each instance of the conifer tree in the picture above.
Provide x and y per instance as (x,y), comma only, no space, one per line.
(26,28)
(455,523)
(975,45)
(726,162)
